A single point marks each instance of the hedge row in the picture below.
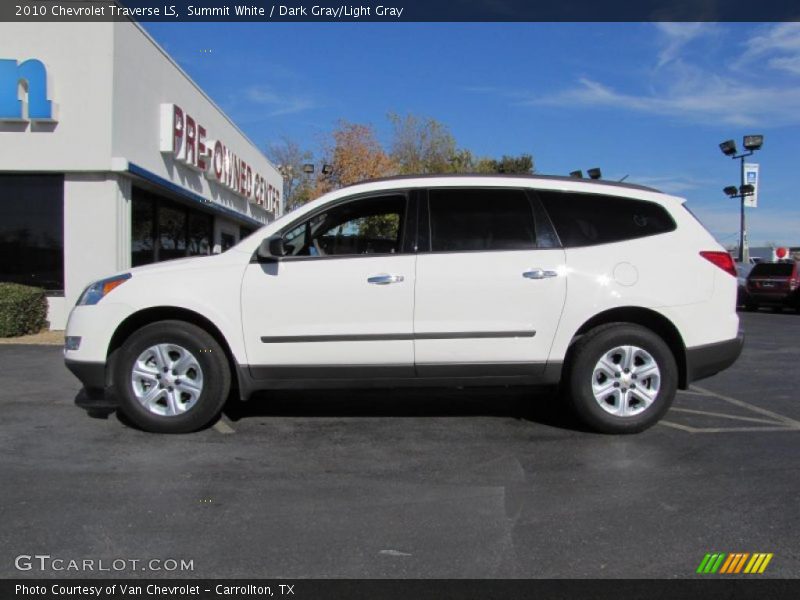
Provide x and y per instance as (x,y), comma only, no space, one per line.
(23,309)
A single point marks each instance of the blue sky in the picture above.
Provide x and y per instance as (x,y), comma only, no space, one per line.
(651,101)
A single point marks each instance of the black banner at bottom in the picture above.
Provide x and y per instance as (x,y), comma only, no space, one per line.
(383,589)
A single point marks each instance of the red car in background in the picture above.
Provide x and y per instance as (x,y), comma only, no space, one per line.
(775,284)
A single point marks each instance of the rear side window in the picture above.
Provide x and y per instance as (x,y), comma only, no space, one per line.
(772,270)
(467,220)
(590,219)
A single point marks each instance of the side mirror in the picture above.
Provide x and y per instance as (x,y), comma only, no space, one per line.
(271,248)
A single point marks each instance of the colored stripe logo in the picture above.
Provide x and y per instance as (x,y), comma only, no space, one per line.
(734,563)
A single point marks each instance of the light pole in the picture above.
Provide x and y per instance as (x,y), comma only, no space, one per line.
(751,143)
(743,191)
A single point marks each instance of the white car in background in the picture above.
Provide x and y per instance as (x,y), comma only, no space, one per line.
(613,291)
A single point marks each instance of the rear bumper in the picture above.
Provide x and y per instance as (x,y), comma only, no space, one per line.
(709,359)
(777,299)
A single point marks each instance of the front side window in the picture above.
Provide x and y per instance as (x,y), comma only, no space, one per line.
(470,220)
(362,227)
(591,219)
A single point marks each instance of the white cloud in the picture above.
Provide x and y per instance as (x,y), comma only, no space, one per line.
(733,93)
(677,184)
(278,104)
(717,98)
(678,35)
(763,225)
(787,63)
(776,46)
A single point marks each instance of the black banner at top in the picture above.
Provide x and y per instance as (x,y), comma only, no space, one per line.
(399,10)
(394,589)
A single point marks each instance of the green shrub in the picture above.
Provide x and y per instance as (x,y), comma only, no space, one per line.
(23,309)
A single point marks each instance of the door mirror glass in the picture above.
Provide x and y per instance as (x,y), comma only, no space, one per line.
(271,248)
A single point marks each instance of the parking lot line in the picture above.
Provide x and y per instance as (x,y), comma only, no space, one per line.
(685,428)
(724,429)
(223,426)
(724,416)
(773,422)
(748,406)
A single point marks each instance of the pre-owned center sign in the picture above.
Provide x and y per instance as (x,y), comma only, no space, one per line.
(188,142)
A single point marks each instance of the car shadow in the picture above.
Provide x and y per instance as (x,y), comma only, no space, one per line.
(95,407)
(542,406)
(536,405)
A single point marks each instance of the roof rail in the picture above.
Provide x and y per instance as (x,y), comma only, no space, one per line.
(533,177)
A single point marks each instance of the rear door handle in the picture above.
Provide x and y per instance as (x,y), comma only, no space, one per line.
(539,274)
(385,279)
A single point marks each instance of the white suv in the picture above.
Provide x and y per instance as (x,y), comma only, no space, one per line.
(614,291)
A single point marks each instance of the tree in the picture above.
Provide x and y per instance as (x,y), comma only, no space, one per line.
(419,146)
(355,154)
(289,157)
(422,145)
(519,165)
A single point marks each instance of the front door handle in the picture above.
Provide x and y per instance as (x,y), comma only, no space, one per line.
(385,279)
(539,274)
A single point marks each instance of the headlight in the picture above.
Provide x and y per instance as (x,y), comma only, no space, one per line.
(99,289)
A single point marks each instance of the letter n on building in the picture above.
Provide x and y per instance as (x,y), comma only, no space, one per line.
(23,92)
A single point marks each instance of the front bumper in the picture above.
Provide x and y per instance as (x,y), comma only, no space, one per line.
(91,374)
(709,359)
(96,393)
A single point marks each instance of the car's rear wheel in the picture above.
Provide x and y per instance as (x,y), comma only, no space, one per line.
(622,378)
(171,377)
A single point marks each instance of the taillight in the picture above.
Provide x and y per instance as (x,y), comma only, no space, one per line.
(722,259)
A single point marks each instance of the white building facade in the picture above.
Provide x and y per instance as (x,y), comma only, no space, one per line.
(112,157)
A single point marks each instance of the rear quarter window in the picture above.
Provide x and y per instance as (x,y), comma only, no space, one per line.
(592,219)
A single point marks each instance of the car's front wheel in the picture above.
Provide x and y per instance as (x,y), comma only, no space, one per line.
(622,378)
(171,377)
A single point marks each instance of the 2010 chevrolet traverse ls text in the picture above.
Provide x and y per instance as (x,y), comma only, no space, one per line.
(613,291)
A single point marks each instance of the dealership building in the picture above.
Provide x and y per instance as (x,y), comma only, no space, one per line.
(111,157)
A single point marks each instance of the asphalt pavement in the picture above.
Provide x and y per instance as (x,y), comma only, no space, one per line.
(458,483)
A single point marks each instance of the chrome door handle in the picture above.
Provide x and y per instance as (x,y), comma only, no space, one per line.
(385,279)
(539,274)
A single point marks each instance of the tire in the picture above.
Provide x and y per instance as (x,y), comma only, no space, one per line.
(595,391)
(179,405)
(751,307)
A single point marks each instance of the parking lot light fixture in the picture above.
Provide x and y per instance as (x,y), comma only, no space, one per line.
(308,168)
(728,147)
(751,143)
(595,173)
(577,174)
